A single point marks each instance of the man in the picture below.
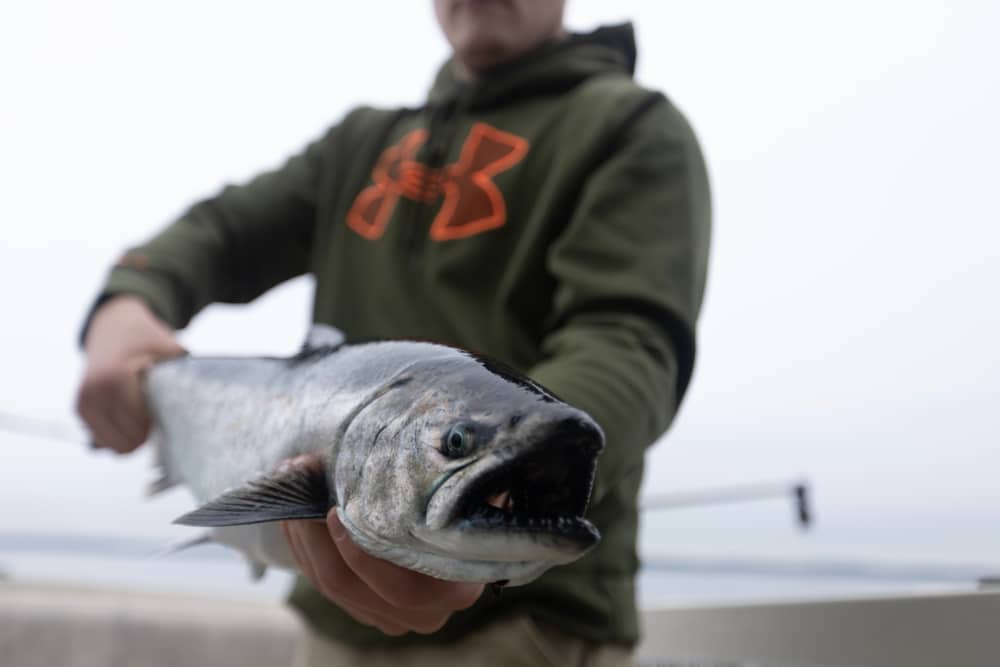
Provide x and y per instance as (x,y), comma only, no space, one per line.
(541,208)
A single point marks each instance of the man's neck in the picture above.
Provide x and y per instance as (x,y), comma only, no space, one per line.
(463,72)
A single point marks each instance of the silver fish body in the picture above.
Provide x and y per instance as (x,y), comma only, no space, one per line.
(435,459)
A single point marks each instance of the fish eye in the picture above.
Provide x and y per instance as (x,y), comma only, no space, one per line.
(458,441)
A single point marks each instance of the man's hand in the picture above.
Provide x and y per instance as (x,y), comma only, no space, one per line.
(373,591)
(124,339)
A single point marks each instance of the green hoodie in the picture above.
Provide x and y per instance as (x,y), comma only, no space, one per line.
(554,216)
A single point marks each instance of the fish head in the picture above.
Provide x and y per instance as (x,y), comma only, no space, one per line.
(467,471)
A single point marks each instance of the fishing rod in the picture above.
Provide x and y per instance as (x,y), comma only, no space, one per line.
(40,428)
(797,491)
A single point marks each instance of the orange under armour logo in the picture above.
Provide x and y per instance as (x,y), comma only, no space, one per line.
(472,202)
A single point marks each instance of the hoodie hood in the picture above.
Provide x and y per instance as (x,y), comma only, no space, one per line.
(554,67)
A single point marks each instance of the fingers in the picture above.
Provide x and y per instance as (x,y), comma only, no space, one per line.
(335,579)
(292,530)
(371,590)
(401,588)
(331,574)
(124,338)
(103,430)
(130,424)
(131,414)
(110,402)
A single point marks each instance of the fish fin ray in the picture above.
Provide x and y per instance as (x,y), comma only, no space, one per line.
(294,491)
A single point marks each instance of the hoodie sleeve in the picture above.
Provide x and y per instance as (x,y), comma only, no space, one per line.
(630,268)
(231,247)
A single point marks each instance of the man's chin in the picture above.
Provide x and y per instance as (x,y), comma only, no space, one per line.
(484,54)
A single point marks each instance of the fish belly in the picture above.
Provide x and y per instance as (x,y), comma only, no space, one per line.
(261,543)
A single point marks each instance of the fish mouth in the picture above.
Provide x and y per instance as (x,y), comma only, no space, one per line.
(541,492)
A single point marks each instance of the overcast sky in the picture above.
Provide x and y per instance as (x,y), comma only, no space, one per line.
(851,324)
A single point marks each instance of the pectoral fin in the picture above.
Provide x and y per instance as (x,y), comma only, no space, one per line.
(297,490)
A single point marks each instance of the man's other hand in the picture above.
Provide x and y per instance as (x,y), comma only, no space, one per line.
(124,339)
(373,591)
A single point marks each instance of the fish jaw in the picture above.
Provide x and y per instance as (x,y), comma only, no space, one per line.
(430,556)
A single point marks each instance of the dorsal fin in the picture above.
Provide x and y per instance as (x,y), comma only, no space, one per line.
(321,340)
(323,337)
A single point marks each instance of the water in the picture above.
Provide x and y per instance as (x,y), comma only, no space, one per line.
(229,577)
(687,579)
